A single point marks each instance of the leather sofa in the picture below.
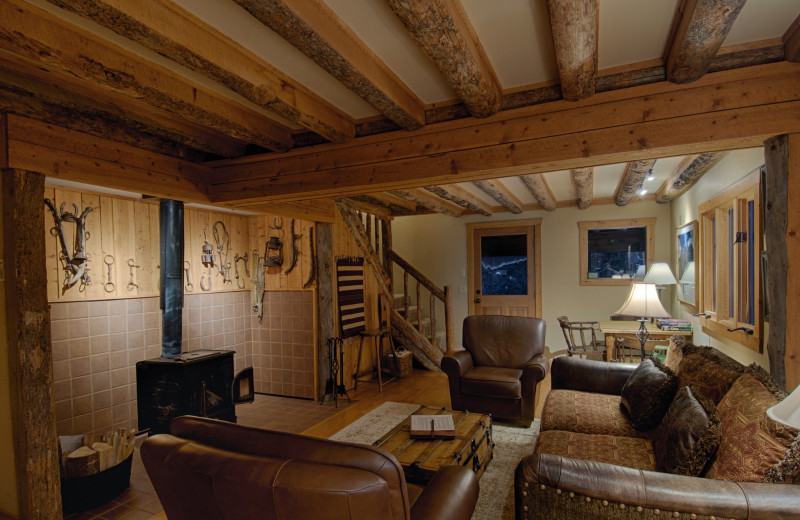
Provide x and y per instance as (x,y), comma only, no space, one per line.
(576,478)
(499,368)
(207,468)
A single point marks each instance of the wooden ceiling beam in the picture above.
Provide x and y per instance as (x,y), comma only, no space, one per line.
(316,31)
(360,203)
(791,41)
(632,180)
(318,210)
(537,185)
(40,36)
(429,201)
(574,27)
(443,31)
(461,197)
(393,201)
(701,29)
(176,34)
(686,174)
(499,192)
(583,180)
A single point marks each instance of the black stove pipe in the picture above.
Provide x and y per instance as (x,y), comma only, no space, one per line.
(171,238)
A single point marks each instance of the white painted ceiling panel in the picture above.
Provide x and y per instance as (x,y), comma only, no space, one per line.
(516,37)
(762,20)
(631,31)
(375,23)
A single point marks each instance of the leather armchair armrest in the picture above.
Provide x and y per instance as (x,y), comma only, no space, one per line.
(546,480)
(455,365)
(587,375)
(535,369)
(452,493)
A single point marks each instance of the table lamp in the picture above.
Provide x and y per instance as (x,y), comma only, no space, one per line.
(787,412)
(660,274)
(643,301)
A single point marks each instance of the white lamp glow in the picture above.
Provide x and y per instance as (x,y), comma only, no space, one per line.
(643,301)
(660,274)
(787,412)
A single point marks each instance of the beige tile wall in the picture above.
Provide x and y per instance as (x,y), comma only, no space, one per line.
(96,346)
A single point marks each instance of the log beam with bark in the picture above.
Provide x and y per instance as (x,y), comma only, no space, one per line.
(702,28)
(686,174)
(173,32)
(499,192)
(461,197)
(583,180)
(538,187)
(631,183)
(315,30)
(444,33)
(429,201)
(574,27)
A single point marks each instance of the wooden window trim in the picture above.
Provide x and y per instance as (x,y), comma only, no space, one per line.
(717,319)
(584,227)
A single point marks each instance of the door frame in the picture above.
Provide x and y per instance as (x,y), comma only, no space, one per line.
(536,224)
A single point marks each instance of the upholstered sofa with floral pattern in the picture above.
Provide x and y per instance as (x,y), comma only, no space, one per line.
(688,438)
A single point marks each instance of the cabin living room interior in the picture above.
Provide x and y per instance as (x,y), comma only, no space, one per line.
(400,133)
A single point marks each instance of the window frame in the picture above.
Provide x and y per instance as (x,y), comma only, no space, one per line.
(583,227)
(730,271)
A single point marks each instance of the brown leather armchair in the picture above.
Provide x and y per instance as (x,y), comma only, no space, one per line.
(215,469)
(499,368)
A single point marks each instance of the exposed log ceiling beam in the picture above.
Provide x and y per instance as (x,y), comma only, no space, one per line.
(574,27)
(394,201)
(631,183)
(72,103)
(538,187)
(176,34)
(723,111)
(461,197)
(499,192)
(686,174)
(583,180)
(791,41)
(317,32)
(361,203)
(443,32)
(428,201)
(702,28)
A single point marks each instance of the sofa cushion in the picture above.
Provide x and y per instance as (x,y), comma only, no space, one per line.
(753,447)
(586,412)
(711,371)
(504,383)
(623,451)
(688,436)
(648,393)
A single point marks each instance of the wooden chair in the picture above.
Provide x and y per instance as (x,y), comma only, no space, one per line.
(628,349)
(581,337)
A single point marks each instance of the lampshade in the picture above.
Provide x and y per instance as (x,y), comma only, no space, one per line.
(643,301)
(787,411)
(640,271)
(660,274)
(688,274)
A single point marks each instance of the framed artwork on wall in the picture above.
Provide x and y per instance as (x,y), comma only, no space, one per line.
(686,262)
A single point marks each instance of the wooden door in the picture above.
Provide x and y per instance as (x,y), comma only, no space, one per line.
(504,273)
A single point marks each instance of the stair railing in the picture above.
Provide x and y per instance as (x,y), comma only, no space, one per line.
(436,293)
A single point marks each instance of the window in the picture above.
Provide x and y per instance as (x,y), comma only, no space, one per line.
(730,243)
(615,251)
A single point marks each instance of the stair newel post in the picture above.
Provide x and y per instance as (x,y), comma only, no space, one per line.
(369,231)
(406,297)
(419,307)
(433,319)
(386,246)
(448,320)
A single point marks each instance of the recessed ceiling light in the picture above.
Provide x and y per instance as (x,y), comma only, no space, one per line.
(643,192)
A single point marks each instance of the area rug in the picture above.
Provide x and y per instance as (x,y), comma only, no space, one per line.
(496,498)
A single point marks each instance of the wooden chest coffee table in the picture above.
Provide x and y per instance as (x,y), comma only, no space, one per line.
(421,458)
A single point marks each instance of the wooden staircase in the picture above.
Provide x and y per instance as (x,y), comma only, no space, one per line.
(415,322)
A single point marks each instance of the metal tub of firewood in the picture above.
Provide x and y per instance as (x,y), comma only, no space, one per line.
(95,469)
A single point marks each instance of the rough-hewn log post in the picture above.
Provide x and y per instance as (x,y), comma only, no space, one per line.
(782,228)
(30,355)
(325,308)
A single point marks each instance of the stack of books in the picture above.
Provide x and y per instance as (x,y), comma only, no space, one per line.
(674,324)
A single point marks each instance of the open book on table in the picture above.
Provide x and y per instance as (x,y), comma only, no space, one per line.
(433,426)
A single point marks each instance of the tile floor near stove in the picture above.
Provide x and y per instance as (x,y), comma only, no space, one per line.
(139,501)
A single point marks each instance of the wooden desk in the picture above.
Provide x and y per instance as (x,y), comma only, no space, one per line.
(614,329)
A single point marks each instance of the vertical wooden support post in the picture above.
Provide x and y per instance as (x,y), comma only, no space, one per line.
(449,334)
(29,349)
(3,141)
(782,228)
(325,304)
(386,246)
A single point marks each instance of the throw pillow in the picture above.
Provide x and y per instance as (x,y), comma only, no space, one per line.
(709,369)
(753,447)
(688,436)
(647,394)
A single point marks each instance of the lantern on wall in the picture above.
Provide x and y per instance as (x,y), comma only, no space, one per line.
(273,255)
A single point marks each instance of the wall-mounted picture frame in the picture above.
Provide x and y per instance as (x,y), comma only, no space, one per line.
(686,262)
